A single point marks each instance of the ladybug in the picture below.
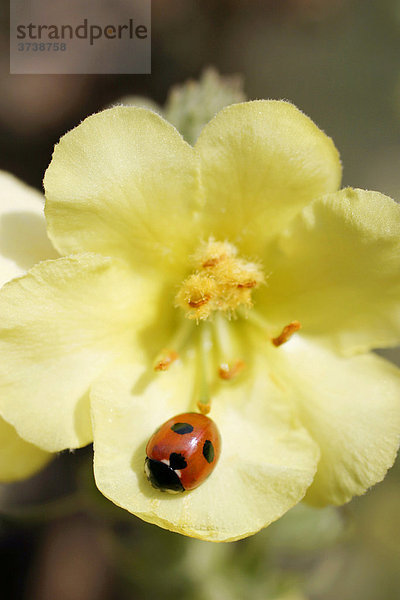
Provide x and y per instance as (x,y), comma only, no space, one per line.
(182,453)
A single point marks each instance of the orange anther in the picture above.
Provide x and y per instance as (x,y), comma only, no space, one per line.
(169,357)
(287,333)
(199,302)
(204,407)
(247,284)
(226,372)
(214,260)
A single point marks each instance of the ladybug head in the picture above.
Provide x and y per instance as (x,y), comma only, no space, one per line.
(162,476)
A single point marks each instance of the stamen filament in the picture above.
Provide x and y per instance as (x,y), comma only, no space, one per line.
(230,366)
(203,392)
(256,319)
(228,372)
(169,355)
(223,336)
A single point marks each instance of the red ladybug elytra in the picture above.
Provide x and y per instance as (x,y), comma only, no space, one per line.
(182,453)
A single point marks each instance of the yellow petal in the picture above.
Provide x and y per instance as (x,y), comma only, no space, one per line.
(60,325)
(266,464)
(261,162)
(351,408)
(23,242)
(337,270)
(18,459)
(23,237)
(123,183)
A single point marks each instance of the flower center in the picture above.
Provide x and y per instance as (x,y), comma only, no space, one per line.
(219,287)
(220,281)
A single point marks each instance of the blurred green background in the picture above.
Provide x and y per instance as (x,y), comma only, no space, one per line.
(339,61)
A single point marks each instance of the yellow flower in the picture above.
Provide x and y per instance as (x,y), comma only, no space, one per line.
(207,260)
(23,242)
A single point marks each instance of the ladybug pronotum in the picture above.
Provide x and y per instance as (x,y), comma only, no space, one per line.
(182,453)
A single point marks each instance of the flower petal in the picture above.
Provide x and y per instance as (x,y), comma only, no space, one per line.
(18,459)
(123,183)
(23,237)
(336,270)
(266,464)
(351,408)
(60,325)
(261,162)
(23,242)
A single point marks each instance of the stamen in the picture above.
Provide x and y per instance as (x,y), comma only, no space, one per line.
(266,327)
(203,393)
(168,356)
(226,372)
(220,282)
(287,333)
(256,319)
(164,364)
(211,262)
(199,302)
(247,284)
(230,366)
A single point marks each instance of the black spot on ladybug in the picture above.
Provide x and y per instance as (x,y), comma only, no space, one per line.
(182,428)
(208,451)
(177,461)
(162,477)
